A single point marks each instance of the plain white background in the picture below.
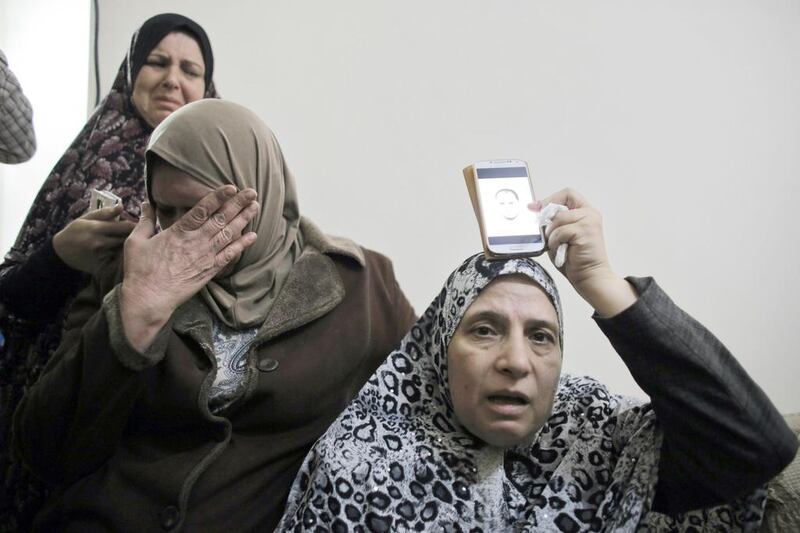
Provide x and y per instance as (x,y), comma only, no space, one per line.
(679,120)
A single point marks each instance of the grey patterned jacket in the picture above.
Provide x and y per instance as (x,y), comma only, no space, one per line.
(17,139)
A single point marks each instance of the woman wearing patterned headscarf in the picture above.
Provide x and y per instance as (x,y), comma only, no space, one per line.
(469,426)
(169,63)
(228,342)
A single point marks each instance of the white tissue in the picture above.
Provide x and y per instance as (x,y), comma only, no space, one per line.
(545,219)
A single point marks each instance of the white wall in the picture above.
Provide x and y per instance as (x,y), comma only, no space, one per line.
(679,120)
(47,46)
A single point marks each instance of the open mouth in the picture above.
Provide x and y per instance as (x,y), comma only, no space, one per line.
(503,399)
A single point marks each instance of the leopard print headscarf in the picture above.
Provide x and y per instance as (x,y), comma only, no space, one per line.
(398,460)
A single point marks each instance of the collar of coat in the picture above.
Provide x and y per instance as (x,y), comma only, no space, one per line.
(312,288)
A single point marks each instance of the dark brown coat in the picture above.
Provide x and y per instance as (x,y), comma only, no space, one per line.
(128,437)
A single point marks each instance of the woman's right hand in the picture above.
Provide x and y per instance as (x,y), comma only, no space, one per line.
(86,240)
(587,267)
(161,271)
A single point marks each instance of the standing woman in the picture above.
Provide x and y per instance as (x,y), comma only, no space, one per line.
(169,64)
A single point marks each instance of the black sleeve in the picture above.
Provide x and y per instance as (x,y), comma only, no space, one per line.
(722,436)
(70,421)
(38,288)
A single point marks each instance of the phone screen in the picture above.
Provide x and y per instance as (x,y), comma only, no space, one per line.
(505,193)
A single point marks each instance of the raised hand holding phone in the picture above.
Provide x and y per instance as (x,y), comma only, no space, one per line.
(587,266)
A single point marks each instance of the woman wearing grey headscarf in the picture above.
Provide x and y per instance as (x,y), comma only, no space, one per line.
(226,344)
(469,426)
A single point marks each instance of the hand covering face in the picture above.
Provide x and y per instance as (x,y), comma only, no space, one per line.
(397,459)
(220,143)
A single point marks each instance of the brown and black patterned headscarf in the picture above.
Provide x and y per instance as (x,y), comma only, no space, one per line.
(108,153)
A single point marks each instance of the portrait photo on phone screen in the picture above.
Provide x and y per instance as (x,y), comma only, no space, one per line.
(504,201)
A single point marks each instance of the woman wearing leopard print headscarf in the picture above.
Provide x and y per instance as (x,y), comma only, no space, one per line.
(469,425)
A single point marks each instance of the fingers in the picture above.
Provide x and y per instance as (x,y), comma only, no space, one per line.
(215,224)
(230,210)
(568,197)
(205,208)
(226,223)
(146,227)
(105,243)
(118,229)
(564,218)
(215,214)
(234,250)
(563,235)
(104,213)
(127,217)
(115,229)
(234,229)
(567,226)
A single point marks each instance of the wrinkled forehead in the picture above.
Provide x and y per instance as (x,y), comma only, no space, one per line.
(163,45)
(476,273)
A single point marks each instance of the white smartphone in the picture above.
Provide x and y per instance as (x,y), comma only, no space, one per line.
(504,192)
(102,199)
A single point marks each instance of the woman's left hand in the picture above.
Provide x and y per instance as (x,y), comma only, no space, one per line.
(84,242)
(587,266)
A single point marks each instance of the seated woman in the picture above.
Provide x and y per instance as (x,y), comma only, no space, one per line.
(191,382)
(469,425)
